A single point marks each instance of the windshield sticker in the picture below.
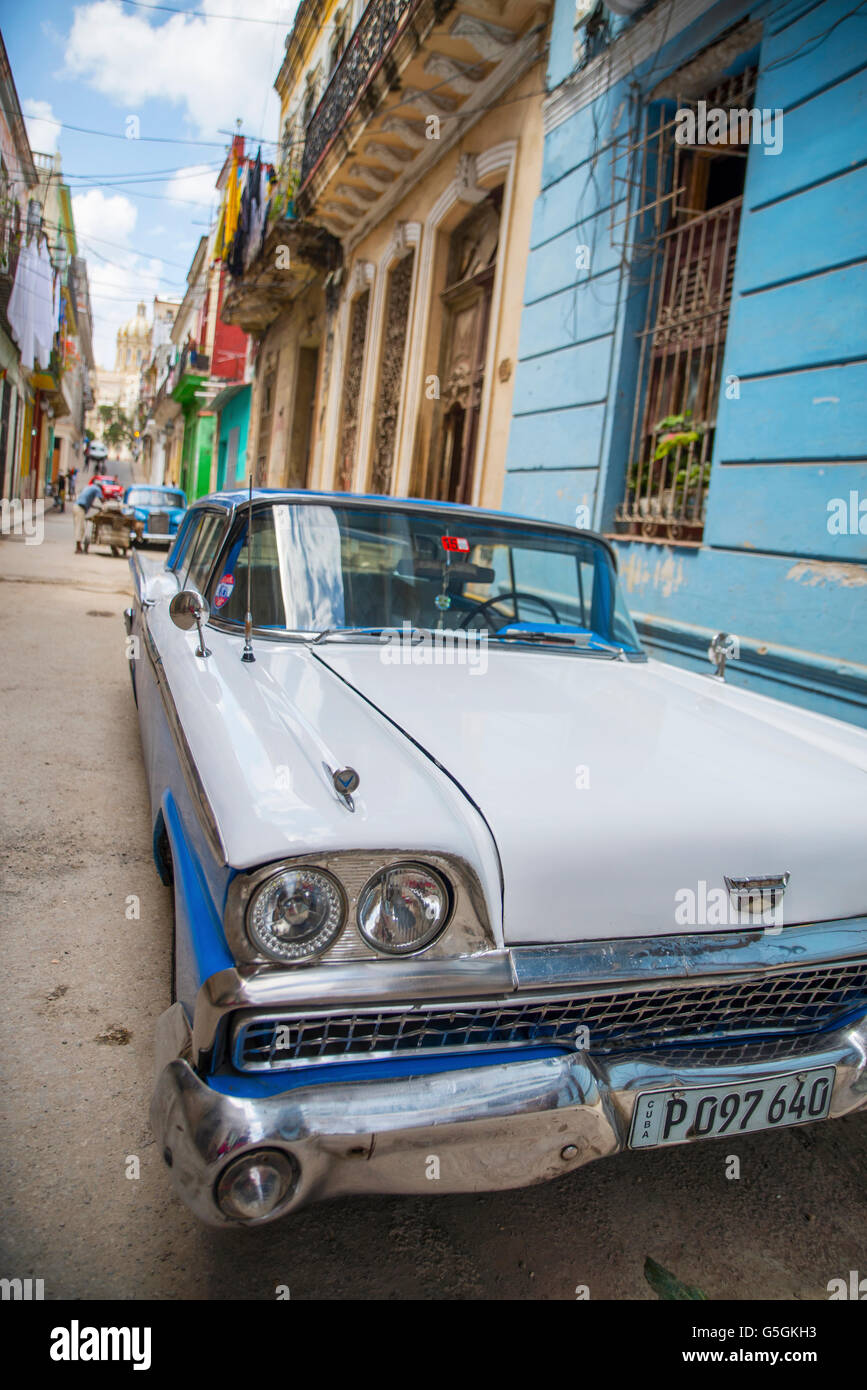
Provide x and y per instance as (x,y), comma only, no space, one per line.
(455,543)
(443,601)
(224,590)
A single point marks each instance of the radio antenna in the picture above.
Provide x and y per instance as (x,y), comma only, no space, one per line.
(247,654)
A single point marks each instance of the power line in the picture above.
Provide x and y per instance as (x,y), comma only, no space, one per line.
(115,135)
(154,197)
(144,174)
(206,14)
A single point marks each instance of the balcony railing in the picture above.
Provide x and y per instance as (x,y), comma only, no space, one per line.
(360,61)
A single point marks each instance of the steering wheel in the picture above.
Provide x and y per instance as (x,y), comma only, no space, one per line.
(514,595)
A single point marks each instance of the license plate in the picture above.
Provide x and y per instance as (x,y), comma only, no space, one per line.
(701,1112)
(158,523)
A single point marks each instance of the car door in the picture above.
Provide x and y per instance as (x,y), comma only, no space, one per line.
(200,532)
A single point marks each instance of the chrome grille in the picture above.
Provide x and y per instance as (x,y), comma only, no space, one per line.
(775,1004)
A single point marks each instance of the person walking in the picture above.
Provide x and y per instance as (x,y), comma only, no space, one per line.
(79,514)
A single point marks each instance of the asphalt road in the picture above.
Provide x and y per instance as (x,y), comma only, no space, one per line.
(84,984)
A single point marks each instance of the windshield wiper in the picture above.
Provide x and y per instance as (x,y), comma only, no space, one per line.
(367,632)
(575,640)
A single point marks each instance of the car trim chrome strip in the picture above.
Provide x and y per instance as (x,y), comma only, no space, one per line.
(195,787)
(700,954)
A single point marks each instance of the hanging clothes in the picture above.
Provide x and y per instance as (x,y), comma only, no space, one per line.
(232,207)
(256,232)
(46,323)
(239,243)
(31,311)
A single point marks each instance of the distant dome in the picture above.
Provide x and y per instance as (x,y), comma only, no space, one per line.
(137,327)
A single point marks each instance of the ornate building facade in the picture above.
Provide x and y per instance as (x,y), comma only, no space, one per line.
(386,295)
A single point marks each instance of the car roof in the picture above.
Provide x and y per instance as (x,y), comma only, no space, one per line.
(236,498)
(155,487)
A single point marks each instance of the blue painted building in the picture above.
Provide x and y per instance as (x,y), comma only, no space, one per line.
(232,406)
(692,377)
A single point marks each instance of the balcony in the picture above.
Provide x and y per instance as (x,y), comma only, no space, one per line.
(365,54)
(406,88)
(188,375)
(293,249)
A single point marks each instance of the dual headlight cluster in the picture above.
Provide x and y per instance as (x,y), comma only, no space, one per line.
(298,913)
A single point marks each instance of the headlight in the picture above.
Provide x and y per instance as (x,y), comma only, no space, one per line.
(402,909)
(296,914)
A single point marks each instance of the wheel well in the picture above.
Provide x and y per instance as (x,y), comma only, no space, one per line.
(163,851)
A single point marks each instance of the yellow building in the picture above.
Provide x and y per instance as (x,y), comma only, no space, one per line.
(386,296)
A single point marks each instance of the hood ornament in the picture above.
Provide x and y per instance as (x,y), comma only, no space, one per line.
(757,893)
(723,648)
(345,781)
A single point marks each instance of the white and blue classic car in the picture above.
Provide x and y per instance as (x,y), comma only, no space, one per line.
(465,886)
(160,508)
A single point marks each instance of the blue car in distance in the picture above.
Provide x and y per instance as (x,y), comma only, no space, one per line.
(160,508)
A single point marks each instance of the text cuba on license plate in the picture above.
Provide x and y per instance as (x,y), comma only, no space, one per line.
(700,1112)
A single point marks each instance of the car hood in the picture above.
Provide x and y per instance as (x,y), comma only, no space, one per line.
(614,790)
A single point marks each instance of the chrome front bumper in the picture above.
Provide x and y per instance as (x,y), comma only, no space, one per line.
(490,1127)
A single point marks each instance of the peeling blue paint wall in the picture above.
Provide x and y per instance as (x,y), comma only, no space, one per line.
(774,565)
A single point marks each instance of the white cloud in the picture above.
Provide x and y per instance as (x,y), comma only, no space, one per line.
(43,132)
(110,216)
(214,69)
(119,277)
(194,184)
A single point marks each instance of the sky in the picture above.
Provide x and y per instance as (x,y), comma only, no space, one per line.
(165,85)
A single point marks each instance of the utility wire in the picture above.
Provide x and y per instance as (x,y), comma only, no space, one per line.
(206,14)
(116,135)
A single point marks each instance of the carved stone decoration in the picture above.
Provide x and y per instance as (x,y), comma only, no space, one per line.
(404,237)
(467,188)
(490,40)
(427,102)
(390,155)
(391,374)
(377,179)
(361,278)
(410,132)
(352,389)
(336,218)
(463,77)
(359,198)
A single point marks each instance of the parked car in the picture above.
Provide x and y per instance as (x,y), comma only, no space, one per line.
(109,486)
(461,875)
(160,508)
(96,451)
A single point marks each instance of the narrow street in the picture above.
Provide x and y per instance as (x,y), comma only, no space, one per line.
(88,979)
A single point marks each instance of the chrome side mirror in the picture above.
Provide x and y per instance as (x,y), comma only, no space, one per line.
(187,610)
(724,647)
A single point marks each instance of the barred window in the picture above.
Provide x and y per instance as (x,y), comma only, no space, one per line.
(689,196)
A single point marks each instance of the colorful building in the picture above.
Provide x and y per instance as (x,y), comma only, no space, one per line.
(382,268)
(693,351)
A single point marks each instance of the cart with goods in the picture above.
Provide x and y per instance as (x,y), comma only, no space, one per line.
(114,526)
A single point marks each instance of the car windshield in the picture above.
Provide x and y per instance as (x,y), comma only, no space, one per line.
(153,497)
(332,570)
